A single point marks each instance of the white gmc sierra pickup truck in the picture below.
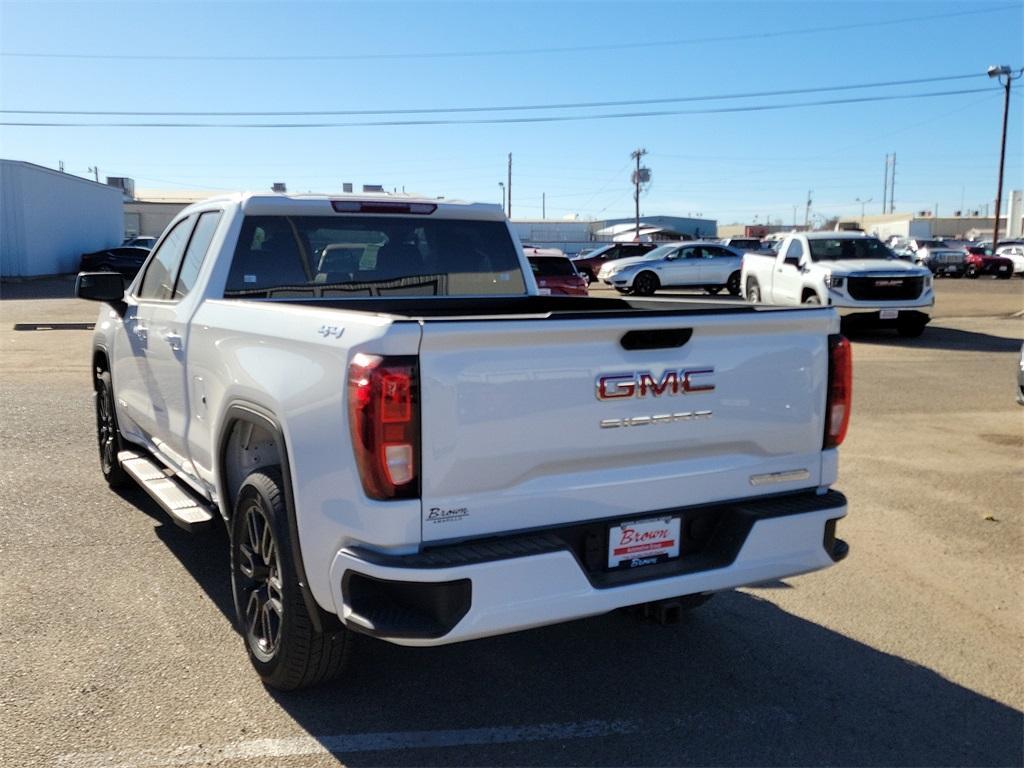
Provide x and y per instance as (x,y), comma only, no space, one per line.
(851,271)
(405,440)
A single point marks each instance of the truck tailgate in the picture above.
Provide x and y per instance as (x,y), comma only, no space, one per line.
(519,432)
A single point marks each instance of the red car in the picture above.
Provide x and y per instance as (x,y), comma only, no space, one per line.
(590,264)
(981,261)
(555,274)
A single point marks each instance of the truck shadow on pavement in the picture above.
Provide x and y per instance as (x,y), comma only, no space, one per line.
(737,682)
(938,337)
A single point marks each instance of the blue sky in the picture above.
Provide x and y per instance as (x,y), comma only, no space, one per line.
(732,167)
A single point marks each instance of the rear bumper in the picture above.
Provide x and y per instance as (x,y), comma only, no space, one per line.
(477,589)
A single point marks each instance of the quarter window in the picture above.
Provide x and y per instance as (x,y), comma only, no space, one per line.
(158,282)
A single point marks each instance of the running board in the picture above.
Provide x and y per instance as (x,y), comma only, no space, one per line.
(185,510)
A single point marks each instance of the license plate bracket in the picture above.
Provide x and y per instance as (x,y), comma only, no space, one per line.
(637,543)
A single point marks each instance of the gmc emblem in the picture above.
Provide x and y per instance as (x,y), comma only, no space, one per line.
(616,386)
(887,283)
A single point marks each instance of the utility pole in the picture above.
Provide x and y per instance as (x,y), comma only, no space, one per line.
(543,205)
(510,185)
(60,164)
(892,186)
(95,171)
(807,212)
(794,217)
(636,154)
(1000,73)
(502,185)
(885,185)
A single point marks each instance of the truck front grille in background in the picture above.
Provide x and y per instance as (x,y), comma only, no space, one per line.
(885,288)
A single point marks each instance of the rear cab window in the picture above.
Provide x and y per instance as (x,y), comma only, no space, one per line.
(358,255)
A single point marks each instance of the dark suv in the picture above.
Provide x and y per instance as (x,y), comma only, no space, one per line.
(590,264)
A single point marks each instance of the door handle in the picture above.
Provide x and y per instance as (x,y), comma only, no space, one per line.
(174,340)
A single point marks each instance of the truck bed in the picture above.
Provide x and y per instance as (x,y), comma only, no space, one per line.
(552,307)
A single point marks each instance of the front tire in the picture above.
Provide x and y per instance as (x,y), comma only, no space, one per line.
(108,435)
(972,273)
(910,330)
(812,299)
(645,284)
(283,646)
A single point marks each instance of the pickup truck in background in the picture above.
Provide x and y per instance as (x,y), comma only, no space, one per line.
(851,271)
(403,439)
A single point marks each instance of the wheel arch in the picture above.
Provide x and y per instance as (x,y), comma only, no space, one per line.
(809,290)
(242,445)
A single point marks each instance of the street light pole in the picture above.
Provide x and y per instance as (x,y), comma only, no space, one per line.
(1001,72)
(862,204)
(502,185)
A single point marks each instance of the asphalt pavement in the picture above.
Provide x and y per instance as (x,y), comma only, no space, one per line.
(119,649)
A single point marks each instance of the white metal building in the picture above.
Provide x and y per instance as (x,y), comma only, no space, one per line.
(48,219)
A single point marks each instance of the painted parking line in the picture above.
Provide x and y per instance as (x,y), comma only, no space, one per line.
(344,743)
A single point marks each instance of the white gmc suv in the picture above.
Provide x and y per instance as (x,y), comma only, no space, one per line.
(404,439)
(851,271)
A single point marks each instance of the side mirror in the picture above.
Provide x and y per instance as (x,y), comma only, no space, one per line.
(107,287)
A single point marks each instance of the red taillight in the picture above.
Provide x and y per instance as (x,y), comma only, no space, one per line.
(382,206)
(383,414)
(840,390)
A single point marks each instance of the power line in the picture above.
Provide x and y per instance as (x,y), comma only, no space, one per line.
(501,108)
(873,24)
(500,120)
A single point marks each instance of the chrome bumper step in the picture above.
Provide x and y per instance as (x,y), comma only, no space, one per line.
(186,510)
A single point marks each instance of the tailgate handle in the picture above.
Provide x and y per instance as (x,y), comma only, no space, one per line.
(656,338)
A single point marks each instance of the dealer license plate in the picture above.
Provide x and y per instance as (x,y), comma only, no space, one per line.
(643,542)
(888,314)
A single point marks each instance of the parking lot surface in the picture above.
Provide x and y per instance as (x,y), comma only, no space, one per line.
(119,649)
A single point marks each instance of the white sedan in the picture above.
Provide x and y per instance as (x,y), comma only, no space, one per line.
(1014,253)
(710,266)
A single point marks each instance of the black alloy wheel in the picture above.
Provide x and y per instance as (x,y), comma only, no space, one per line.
(645,284)
(108,436)
(260,582)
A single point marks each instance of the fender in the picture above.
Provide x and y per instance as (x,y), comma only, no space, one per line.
(237,411)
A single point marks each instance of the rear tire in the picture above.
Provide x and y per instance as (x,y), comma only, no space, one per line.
(713,290)
(645,284)
(753,292)
(108,435)
(733,284)
(972,273)
(285,649)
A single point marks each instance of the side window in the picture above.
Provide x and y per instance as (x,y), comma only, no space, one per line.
(196,252)
(158,282)
(693,253)
(795,250)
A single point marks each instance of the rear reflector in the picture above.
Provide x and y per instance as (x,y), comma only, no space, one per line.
(382,206)
(383,411)
(840,390)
